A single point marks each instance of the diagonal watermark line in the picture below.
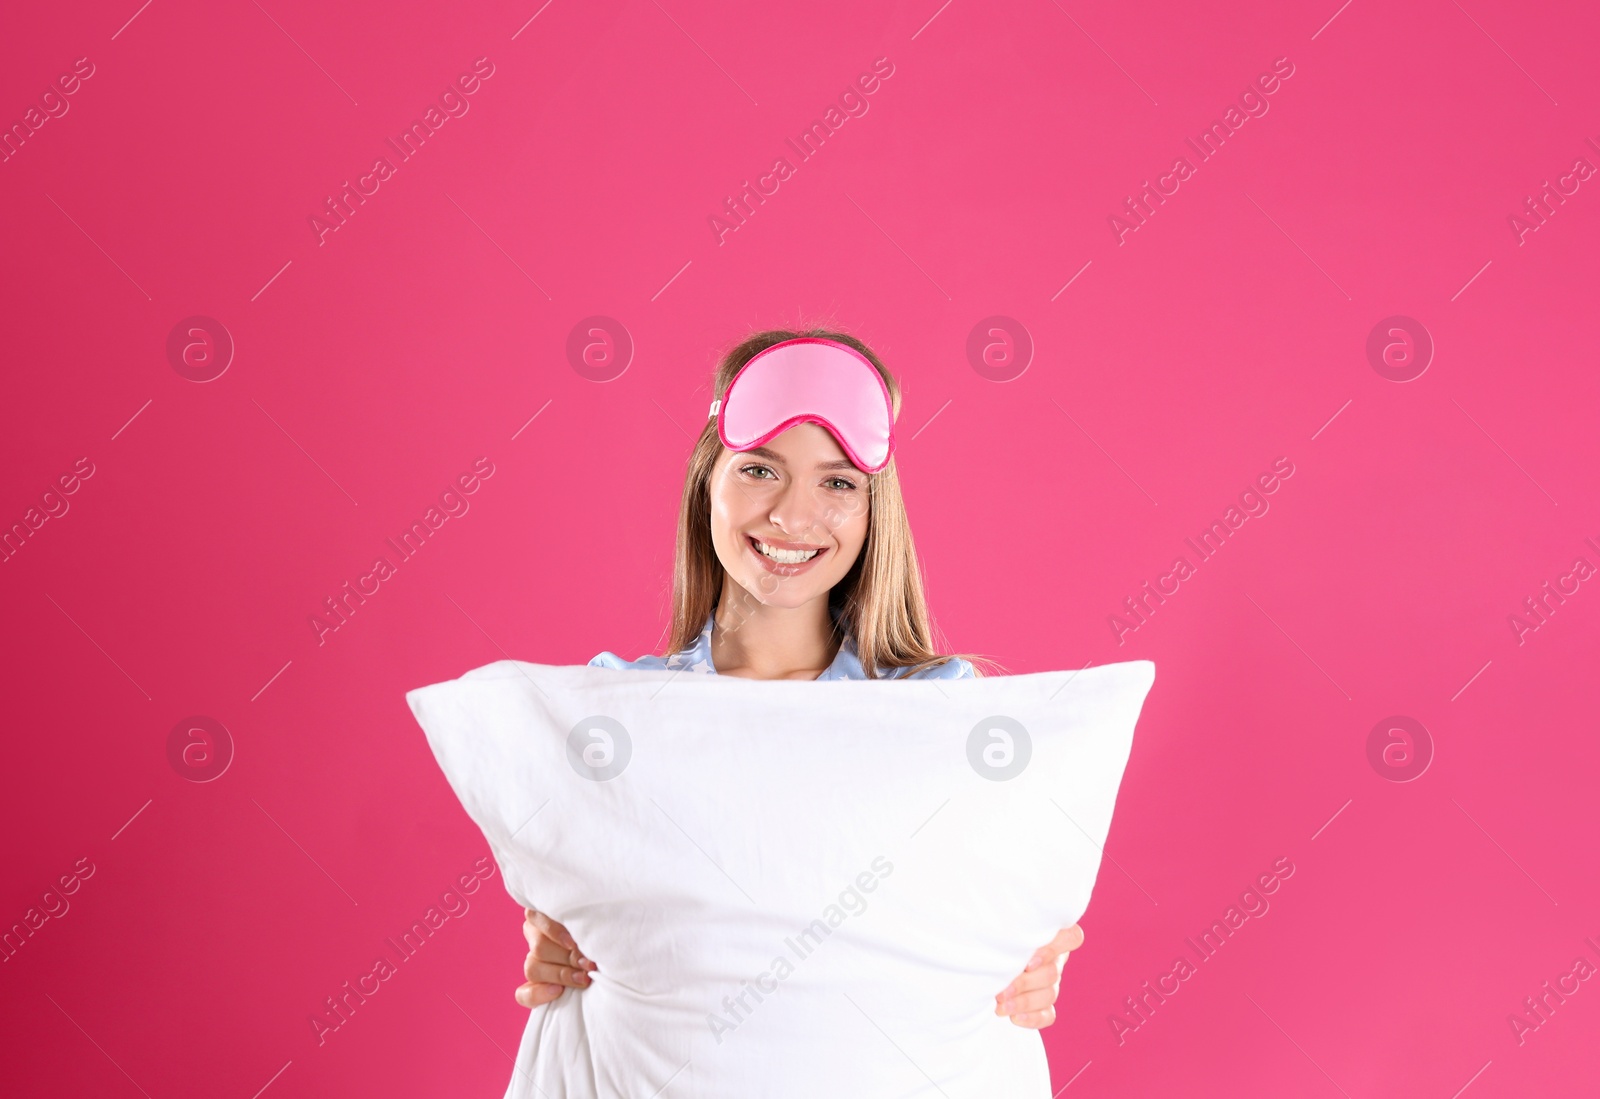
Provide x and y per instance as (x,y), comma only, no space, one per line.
(1070,281)
(929,821)
(1470,281)
(1296,644)
(702,49)
(131,819)
(683,665)
(274,1079)
(1468,1084)
(1106,853)
(1302,251)
(1107,453)
(902,251)
(1331,819)
(97,1045)
(496,243)
(1502,450)
(303,450)
(1331,18)
(96,644)
(497,645)
(1469,682)
(1067,680)
(485,1033)
(895,1044)
(532,418)
(676,672)
(703,851)
(531,815)
(496,1045)
(675,423)
(309,58)
(529,23)
(129,23)
(270,281)
(304,852)
(1297,1045)
(931,18)
(670,281)
(1332,418)
(96,243)
(1509,58)
(1506,853)
(132,418)
(671,1078)
(271,681)
(932,418)
(1109,58)
(1075,1075)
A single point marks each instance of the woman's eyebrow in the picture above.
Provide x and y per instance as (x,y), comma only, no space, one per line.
(773,455)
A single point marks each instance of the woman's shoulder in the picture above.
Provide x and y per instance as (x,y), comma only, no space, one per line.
(695,658)
(610,659)
(685,661)
(954,668)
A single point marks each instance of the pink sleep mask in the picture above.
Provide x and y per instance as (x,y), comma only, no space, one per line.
(810,380)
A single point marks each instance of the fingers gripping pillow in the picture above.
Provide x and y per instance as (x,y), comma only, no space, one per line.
(791,888)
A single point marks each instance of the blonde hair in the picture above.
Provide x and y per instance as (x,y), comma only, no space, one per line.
(879,604)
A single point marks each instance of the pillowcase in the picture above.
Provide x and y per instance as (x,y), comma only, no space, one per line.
(790,888)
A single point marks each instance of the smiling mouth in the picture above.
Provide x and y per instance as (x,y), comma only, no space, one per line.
(783,560)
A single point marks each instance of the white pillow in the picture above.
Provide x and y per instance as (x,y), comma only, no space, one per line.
(791,888)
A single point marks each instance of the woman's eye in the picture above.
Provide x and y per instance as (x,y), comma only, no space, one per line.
(843,484)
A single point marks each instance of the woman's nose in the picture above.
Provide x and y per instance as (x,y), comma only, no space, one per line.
(798,514)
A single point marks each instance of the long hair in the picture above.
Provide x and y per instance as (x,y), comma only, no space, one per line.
(878,605)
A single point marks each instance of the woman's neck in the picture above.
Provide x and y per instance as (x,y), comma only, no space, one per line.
(755,641)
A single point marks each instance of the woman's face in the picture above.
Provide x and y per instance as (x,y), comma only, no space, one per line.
(797,493)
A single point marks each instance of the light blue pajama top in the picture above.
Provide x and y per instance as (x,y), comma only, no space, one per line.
(846,665)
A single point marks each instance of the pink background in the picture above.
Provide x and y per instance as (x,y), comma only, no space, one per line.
(374,368)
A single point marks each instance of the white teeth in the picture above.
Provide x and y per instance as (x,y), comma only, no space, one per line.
(786,557)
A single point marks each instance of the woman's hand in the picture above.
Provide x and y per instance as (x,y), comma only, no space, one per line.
(1030,999)
(553,963)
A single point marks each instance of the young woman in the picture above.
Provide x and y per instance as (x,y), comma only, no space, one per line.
(795,561)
